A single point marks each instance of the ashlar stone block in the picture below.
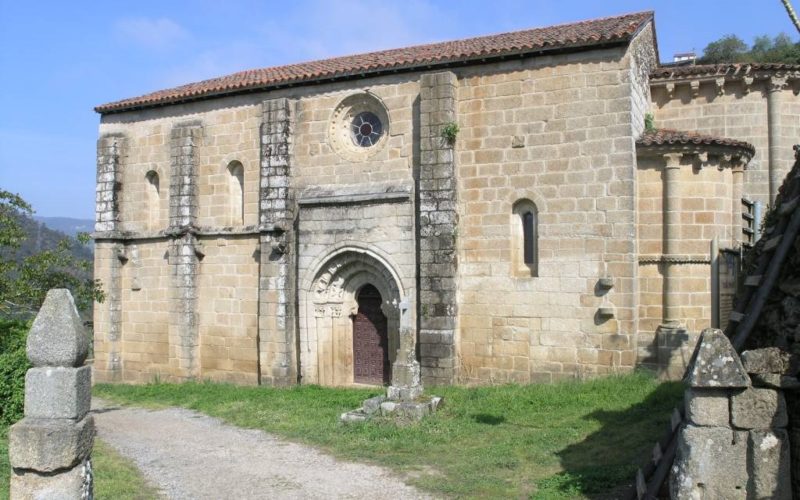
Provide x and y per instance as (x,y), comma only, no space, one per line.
(67,485)
(710,462)
(771,466)
(757,408)
(47,445)
(57,392)
(708,407)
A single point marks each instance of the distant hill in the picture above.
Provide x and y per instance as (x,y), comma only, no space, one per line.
(67,225)
(41,237)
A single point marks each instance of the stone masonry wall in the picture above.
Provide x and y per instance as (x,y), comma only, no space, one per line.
(740,112)
(554,130)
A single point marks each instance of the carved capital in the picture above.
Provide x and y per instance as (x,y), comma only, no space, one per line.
(748,83)
(719,85)
(670,88)
(776,83)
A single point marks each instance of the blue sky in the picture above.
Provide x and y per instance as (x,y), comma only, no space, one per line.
(60,59)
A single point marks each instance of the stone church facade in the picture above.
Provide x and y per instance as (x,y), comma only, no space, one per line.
(496,198)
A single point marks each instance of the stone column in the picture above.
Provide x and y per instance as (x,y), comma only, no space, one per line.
(183,250)
(672,228)
(776,171)
(277,294)
(50,449)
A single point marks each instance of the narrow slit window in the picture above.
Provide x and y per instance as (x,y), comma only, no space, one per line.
(525,238)
(153,199)
(236,180)
(529,237)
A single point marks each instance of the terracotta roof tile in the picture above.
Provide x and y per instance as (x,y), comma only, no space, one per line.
(668,137)
(582,34)
(731,69)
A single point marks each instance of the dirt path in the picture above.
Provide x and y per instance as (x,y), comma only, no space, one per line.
(192,456)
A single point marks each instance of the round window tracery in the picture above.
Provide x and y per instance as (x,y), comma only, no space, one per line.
(366,129)
(359,127)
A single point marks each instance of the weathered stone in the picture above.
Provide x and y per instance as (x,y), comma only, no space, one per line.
(57,336)
(757,408)
(47,445)
(710,462)
(715,363)
(354,417)
(57,392)
(775,381)
(771,467)
(73,484)
(373,405)
(708,407)
(769,360)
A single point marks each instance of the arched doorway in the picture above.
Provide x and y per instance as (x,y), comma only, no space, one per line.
(370,339)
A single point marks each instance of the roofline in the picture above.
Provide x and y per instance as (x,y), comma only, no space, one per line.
(111,108)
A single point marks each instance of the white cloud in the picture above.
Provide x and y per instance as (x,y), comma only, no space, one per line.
(158,34)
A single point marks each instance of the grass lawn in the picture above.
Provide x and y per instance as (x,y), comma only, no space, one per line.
(569,440)
(115,477)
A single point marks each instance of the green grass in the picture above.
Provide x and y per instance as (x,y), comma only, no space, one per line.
(115,476)
(569,440)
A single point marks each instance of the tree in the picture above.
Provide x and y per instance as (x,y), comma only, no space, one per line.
(25,280)
(731,49)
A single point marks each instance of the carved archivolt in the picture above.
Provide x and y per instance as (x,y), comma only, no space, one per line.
(334,289)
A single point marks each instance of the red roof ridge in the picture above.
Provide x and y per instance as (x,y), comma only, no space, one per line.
(586,33)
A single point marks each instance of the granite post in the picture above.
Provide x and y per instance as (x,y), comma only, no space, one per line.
(50,449)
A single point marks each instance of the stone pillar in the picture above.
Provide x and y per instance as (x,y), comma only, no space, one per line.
(406,379)
(183,250)
(776,171)
(276,323)
(438,222)
(734,443)
(50,449)
(110,156)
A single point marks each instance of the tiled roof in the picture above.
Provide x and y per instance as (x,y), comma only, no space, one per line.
(582,34)
(667,137)
(731,69)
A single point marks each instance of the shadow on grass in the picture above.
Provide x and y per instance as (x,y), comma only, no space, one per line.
(488,419)
(603,466)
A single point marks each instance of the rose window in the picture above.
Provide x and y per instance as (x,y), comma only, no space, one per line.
(366,129)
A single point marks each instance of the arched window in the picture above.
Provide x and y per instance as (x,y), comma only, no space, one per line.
(236,192)
(153,199)
(525,232)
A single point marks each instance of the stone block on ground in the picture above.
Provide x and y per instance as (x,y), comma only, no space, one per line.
(57,336)
(373,405)
(47,445)
(72,484)
(708,407)
(758,408)
(715,363)
(56,392)
(710,462)
(771,464)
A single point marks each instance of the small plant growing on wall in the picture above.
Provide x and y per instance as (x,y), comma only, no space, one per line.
(649,122)
(449,133)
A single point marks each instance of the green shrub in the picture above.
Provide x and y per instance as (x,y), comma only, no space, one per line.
(13,365)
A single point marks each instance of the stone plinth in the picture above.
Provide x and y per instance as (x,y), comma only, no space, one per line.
(50,449)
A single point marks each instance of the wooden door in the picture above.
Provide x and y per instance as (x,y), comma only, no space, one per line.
(370,339)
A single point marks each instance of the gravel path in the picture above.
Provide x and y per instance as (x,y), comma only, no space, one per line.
(189,455)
